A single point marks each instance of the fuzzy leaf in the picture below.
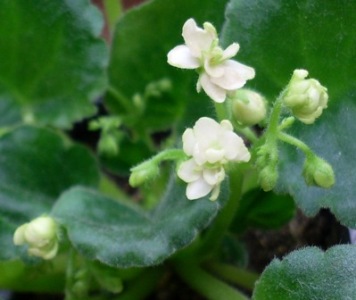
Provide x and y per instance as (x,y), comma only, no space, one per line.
(310,274)
(36,166)
(120,235)
(277,37)
(52,62)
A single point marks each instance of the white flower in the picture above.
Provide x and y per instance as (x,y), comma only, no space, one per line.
(210,145)
(201,179)
(218,73)
(40,235)
(211,142)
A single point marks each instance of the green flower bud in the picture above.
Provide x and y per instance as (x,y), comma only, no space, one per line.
(305,97)
(248,107)
(108,144)
(268,177)
(318,172)
(143,173)
(40,235)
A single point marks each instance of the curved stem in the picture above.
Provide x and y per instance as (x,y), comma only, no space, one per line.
(206,284)
(295,142)
(238,276)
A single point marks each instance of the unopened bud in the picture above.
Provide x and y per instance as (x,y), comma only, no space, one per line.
(108,144)
(318,172)
(268,177)
(248,107)
(143,173)
(305,97)
(40,235)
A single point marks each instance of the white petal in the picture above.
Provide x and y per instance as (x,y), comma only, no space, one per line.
(215,92)
(214,176)
(235,75)
(198,189)
(188,171)
(234,147)
(214,155)
(189,141)
(231,51)
(226,125)
(181,57)
(19,235)
(196,38)
(206,131)
(213,71)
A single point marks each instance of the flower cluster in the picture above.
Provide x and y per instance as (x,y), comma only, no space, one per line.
(218,74)
(40,235)
(210,146)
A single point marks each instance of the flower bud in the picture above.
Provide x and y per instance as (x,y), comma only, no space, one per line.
(305,97)
(40,235)
(268,177)
(248,107)
(143,173)
(318,172)
(108,144)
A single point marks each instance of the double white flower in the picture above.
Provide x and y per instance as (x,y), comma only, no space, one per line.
(218,74)
(210,146)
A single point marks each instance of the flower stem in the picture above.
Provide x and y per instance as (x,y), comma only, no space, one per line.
(215,234)
(221,111)
(246,132)
(141,286)
(295,142)
(206,284)
(238,276)
(272,129)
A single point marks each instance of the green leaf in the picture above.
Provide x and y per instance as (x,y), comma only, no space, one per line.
(264,210)
(36,166)
(310,274)
(120,235)
(53,63)
(277,37)
(142,39)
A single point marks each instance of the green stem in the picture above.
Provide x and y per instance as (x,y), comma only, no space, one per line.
(272,129)
(141,286)
(125,102)
(238,276)
(169,154)
(113,10)
(246,132)
(215,234)
(206,284)
(295,142)
(70,275)
(221,111)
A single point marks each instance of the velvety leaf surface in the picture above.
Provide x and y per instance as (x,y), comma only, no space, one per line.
(36,166)
(310,274)
(277,37)
(142,40)
(52,61)
(125,236)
